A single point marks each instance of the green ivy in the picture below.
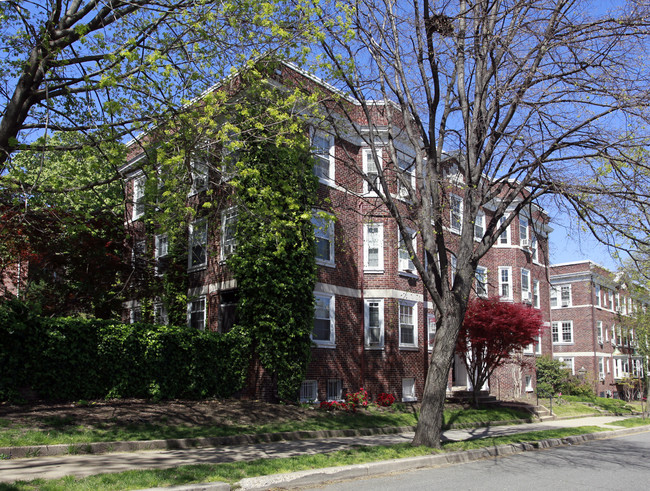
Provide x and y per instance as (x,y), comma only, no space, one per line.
(274,263)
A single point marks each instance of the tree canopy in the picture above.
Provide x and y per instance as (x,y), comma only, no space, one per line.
(492,332)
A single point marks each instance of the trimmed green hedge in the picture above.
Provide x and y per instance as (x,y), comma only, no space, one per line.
(72,359)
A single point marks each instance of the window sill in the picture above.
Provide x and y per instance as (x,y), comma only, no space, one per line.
(562,343)
(373,271)
(328,264)
(409,399)
(408,348)
(194,269)
(324,344)
(374,348)
(408,274)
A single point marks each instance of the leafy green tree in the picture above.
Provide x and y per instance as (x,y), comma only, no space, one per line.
(551,375)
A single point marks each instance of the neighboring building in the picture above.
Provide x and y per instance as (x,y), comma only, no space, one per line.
(374,322)
(588,305)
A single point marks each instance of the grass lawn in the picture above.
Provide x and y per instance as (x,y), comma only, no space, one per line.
(67,431)
(233,472)
(631,422)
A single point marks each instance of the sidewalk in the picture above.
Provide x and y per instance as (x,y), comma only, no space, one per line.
(84,465)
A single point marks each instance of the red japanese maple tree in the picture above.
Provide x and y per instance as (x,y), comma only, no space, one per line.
(491,333)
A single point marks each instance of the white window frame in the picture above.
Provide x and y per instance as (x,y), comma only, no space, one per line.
(139,184)
(334,389)
(368,160)
(535,347)
(508,283)
(505,235)
(198,236)
(324,230)
(160,250)
(528,384)
(324,157)
(557,296)
(160,315)
(526,291)
(403,162)
(559,329)
(404,261)
(309,391)
(331,304)
(481,279)
(368,242)
(599,332)
(379,304)
(194,306)
(135,313)
(200,173)
(524,231)
(455,213)
(536,290)
(479,225)
(228,232)
(601,368)
(408,389)
(432,328)
(413,306)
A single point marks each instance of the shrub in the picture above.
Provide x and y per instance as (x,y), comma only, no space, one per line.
(72,359)
(385,400)
(357,399)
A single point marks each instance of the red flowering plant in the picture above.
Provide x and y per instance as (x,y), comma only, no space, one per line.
(385,400)
(334,405)
(357,399)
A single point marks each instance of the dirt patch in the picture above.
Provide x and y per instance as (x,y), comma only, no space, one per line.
(138,411)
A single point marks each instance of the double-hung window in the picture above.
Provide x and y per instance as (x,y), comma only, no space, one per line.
(199,166)
(536,294)
(505,282)
(481,281)
(526,293)
(371,168)
(524,238)
(405,263)
(196,313)
(334,389)
(373,247)
(567,361)
(406,166)
(138,197)
(562,332)
(504,238)
(561,296)
(323,148)
(160,313)
(432,327)
(324,315)
(374,323)
(324,234)
(479,225)
(599,331)
(455,213)
(228,232)
(161,250)
(408,334)
(597,295)
(198,245)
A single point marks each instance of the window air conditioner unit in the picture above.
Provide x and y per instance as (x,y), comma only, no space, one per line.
(525,243)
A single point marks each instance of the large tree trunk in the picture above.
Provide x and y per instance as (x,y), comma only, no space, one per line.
(429,429)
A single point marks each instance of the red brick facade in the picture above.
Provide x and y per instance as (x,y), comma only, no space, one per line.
(380,310)
(588,316)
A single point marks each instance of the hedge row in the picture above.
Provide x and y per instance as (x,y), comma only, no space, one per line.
(72,359)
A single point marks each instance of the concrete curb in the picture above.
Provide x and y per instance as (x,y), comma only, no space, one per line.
(374,469)
(187,443)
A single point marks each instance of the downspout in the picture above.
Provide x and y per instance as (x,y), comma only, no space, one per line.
(592,285)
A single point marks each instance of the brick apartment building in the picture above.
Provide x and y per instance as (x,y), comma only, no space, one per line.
(588,307)
(374,322)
